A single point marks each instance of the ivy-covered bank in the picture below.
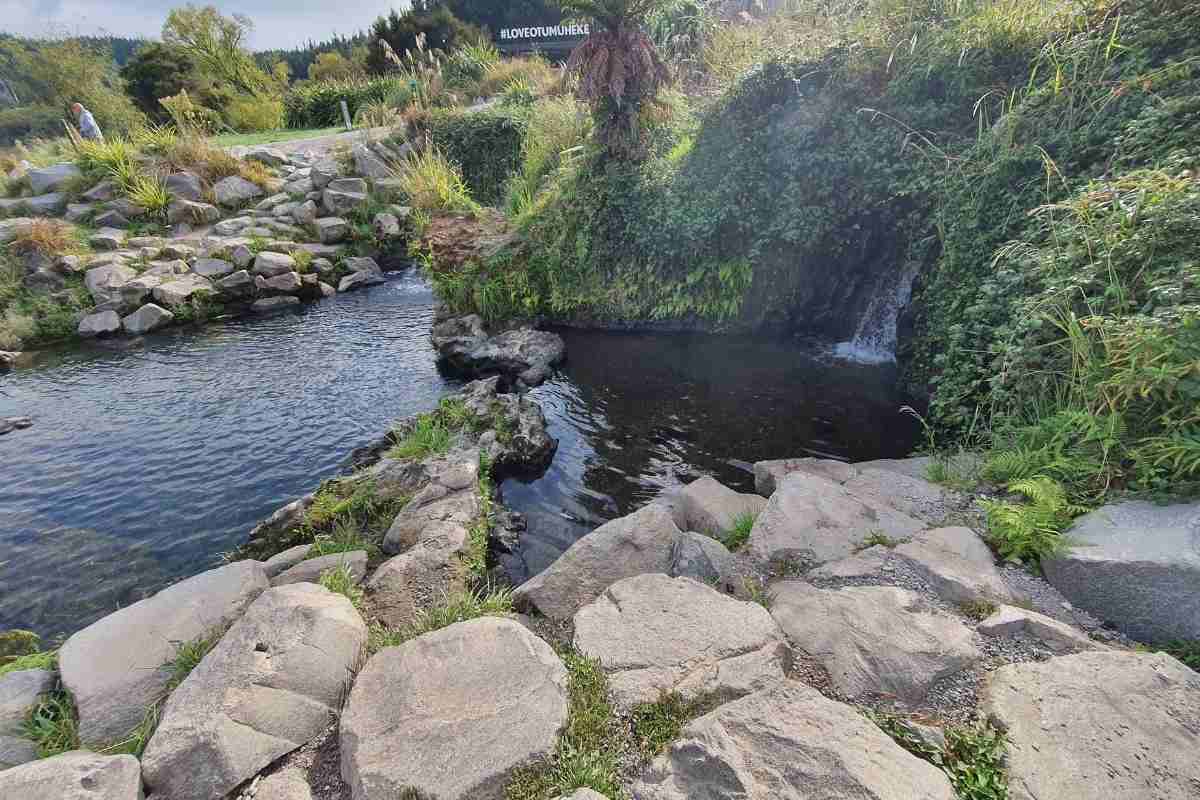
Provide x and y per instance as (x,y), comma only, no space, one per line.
(1029,162)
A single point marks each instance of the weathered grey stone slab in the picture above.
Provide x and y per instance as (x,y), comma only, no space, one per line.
(1057,636)
(310,570)
(77,775)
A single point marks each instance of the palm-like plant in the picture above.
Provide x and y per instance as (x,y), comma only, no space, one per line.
(620,71)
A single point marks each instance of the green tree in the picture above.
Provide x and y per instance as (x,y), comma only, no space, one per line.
(620,71)
(333,67)
(443,31)
(217,44)
(155,71)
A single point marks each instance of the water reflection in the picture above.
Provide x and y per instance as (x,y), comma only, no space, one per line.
(636,413)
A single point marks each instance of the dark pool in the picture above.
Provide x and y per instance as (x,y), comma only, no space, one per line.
(145,464)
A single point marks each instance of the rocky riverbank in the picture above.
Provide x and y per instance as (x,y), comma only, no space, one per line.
(228,247)
(845,626)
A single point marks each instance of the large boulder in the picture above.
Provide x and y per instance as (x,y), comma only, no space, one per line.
(238,285)
(146,319)
(284,283)
(369,165)
(235,191)
(182,289)
(359,280)
(811,520)
(654,634)
(184,186)
(310,570)
(1137,566)
(331,230)
(957,563)
(43,180)
(192,212)
(529,355)
(1113,725)
(452,714)
(101,323)
(421,576)
(104,283)
(788,743)
(324,171)
(460,508)
(212,268)
(700,557)
(873,639)
(273,682)
(77,775)
(19,693)
(343,195)
(114,667)
(49,205)
(710,507)
(632,545)
(264,154)
(270,264)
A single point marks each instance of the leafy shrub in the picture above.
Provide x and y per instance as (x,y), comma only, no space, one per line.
(558,127)
(466,65)
(434,184)
(249,113)
(484,145)
(318,105)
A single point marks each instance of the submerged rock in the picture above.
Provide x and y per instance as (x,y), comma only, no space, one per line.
(1112,725)
(452,714)
(788,743)
(655,635)
(1136,565)
(273,682)
(114,667)
(525,355)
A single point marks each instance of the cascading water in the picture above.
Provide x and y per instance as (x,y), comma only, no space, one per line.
(874,340)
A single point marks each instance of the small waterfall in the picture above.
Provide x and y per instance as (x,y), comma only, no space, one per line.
(874,341)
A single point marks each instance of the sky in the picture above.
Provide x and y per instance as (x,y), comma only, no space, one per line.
(277,23)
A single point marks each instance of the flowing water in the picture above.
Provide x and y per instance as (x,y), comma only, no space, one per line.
(875,338)
(144,464)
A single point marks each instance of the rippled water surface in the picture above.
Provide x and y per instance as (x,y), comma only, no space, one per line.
(145,464)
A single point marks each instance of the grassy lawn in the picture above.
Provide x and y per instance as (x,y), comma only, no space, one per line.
(270,137)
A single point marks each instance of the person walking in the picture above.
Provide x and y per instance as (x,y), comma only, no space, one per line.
(87,123)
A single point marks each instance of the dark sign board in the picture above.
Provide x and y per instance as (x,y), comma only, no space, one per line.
(558,39)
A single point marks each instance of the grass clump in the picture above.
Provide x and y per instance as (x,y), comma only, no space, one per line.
(737,536)
(427,436)
(345,538)
(475,559)
(342,580)
(978,610)
(656,725)
(880,539)
(53,724)
(588,752)
(973,758)
(38,660)
(457,607)
(434,185)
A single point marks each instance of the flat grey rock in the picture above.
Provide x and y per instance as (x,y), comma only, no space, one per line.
(811,520)
(15,750)
(184,186)
(1058,637)
(289,783)
(289,558)
(77,775)
(359,280)
(461,508)
(452,714)
(788,743)
(1137,566)
(237,285)
(632,545)
(269,264)
(654,635)
(873,639)
(146,319)
(19,692)
(273,682)
(212,268)
(331,230)
(1099,725)
(700,557)
(310,570)
(957,563)
(769,474)
(869,563)
(52,178)
(235,191)
(181,289)
(114,667)
(104,282)
(271,305)
(712,508)
(101,323)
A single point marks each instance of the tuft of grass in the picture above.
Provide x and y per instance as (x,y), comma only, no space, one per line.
(588,752)
(52,724)
(428,436)
(977,610)
(45,660)
(151,194)
(656,725)
(341,580)
(758,593)
(303,259)
(435,185)
(457,607)
(878,538)
(973,759)
(347,537)
(737,536)
(256,173)
(475,560)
